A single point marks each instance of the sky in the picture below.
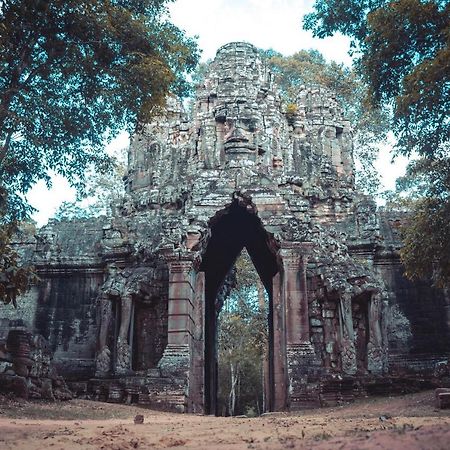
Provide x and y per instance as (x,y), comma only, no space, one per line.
(275,24)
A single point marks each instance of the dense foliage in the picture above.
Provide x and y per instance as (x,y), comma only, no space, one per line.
(425,190)
(103,192)
(15,278)
(74,73)
(242,343)
(371,124)
(404,56)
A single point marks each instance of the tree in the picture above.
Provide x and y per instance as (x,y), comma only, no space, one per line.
(309,67)
(425,191)
(74,73)
(15,278)
(242,342)
(404,57)
(102,192)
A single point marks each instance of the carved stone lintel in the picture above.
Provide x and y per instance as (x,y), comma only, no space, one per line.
(296,248)
(180,266)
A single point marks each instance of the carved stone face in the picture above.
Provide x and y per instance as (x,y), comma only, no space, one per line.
(241,127)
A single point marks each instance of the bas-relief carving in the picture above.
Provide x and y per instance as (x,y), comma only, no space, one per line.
(348,350)
(242,137)
(103,356)
(375,350)
(119,287)
(123,362)
(109,289)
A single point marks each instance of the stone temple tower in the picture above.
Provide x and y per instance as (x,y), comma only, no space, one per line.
(240,172)
(246,174)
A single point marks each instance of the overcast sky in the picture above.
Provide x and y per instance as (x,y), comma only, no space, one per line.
(275,24)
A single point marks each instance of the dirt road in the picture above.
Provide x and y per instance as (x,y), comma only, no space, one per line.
(407,422)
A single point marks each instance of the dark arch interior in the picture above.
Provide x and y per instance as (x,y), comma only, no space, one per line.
(233,230)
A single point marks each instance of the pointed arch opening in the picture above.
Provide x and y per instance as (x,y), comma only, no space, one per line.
(232,230)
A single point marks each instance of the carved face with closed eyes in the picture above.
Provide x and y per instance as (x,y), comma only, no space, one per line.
(241,127)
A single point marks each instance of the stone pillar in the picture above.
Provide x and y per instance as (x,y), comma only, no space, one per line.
(348,351)
(301,359)
(176,359)
(278,377)
(197,372)
(384,332)
(181,294)
(375,354)
(295,287)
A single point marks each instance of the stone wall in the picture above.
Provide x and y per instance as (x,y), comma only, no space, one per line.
(419,315)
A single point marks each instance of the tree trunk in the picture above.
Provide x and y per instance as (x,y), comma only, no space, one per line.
(232,395)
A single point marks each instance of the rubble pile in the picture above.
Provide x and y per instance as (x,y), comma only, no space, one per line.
(26,368)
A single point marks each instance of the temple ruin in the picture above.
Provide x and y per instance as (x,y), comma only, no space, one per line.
(128,303)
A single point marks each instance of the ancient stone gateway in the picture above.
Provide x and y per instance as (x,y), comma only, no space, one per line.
(142,286)
(245,174)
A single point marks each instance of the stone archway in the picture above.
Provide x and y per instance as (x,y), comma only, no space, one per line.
(231,230)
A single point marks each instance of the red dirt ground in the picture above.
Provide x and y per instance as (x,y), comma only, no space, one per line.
(405,422)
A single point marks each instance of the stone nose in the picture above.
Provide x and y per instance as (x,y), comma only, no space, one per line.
(236,136)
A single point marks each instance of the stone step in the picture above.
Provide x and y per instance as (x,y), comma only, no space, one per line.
(442,396)
(444,400)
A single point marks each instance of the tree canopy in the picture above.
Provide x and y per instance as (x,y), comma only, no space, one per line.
(103,192)
(404,56)
(74,73)
(425,191)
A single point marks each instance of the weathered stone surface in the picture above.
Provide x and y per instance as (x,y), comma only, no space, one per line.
(132,300)
(26,367)
(442,396)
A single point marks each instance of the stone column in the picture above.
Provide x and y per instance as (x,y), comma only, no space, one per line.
(348,351)
(176,359)
(197,371)
(297,316)
(278,377)
(375,354)
(181,295)
(301,359)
